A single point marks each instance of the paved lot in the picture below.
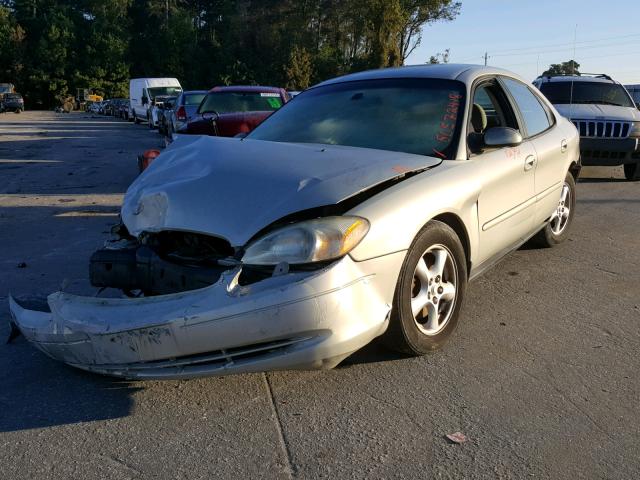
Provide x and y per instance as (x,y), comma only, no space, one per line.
(542,375)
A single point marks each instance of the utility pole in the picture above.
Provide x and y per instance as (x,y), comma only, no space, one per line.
(486,56)
(573,60)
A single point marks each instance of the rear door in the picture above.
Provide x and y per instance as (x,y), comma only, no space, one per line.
(549,142)
(507,201)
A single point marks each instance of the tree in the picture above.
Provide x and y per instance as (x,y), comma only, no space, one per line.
(48,48)
(440,57)
(299,70)
(419,13)
(565,68)
(12,37)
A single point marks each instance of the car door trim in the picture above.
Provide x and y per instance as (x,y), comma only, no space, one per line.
(508,214)
(548,191)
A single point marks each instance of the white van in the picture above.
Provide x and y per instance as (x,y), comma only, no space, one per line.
(142,94)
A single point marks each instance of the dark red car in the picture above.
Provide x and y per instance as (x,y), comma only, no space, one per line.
(228,111)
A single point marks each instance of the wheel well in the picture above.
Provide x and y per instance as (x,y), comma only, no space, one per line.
(457,225)
(574,169)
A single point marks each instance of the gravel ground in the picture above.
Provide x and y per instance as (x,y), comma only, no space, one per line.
(542,375)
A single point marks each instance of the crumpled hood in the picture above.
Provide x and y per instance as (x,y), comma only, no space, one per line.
(233,188)
(579,111)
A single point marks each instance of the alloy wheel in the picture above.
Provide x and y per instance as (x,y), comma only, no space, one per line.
(560,218)
(433,290)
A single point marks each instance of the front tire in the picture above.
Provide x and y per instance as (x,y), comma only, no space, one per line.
(556,230)
(632,171)
(429,292)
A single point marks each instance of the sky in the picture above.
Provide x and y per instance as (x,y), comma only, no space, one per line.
(526,36)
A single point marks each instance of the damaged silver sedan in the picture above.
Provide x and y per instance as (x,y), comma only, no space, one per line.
(360,209)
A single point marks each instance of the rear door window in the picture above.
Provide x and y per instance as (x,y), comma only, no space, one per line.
(194,98)
(533,113)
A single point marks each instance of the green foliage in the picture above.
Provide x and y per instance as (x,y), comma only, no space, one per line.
(565,68)
(300,69)
(48,48)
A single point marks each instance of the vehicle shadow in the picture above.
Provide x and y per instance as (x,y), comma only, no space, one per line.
(59,199)
(37,392)
(374,352)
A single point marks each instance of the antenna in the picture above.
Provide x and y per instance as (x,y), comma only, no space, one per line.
(486,57)
(573,69)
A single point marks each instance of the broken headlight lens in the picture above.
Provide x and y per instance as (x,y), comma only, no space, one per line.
(308,241)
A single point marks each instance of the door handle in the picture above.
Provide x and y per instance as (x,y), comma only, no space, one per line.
(529,162)
(563,146)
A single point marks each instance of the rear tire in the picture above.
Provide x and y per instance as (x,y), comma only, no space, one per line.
(557,230)
(632,171)
(429,292)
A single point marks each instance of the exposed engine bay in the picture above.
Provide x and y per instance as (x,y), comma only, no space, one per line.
(170,262)
(160,263)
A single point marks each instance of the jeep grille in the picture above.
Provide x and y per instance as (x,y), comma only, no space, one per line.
(602,128)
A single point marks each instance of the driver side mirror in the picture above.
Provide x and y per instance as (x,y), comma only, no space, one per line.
(502,137)
(145,100)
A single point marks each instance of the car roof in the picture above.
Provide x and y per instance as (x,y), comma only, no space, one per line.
(194,92)
(246,88)
(446,71)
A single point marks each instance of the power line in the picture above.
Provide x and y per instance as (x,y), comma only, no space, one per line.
(579,45)
(567,43)
(587,47)
(580,58)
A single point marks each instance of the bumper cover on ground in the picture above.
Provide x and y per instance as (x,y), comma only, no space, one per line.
(295,321)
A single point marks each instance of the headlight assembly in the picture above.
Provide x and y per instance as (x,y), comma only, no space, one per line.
(635,130)
(309,241)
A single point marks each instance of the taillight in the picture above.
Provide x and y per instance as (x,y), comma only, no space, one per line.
(181,114)
(147,158)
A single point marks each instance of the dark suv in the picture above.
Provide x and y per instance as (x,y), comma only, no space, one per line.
(13,102)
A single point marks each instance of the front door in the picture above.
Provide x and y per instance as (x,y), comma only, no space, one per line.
(507,201)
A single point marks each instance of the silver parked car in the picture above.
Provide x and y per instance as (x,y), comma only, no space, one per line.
(360,209)
(184,108)
(605,115)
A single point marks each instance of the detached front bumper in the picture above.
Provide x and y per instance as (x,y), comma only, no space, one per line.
(295,321)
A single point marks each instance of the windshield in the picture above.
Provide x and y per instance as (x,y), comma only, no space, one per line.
(420,116)
(225,102)
(634,91)
(194,99)
(164,91)
(586,92)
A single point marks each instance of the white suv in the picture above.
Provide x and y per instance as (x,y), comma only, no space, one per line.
(605,115)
